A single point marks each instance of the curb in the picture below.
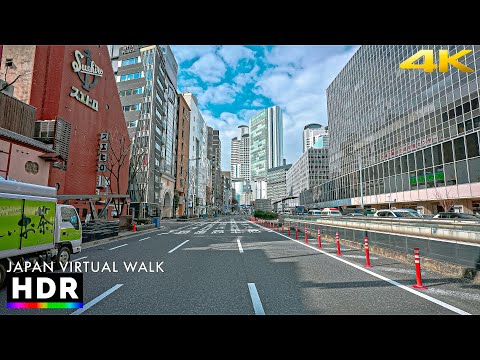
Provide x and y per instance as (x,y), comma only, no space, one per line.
(128,234)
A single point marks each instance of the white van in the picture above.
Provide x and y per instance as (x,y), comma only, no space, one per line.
(331,212)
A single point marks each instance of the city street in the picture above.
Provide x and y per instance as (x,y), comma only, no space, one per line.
(230,265)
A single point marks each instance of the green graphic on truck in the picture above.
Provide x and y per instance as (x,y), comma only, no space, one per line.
(26,223)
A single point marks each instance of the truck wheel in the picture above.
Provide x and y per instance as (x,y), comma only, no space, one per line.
(63,256)
(3,274)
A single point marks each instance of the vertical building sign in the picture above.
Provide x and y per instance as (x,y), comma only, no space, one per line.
(102,155)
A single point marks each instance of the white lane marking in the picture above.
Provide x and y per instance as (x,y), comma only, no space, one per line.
(144,238)
(406,288)
(83,257)
(116,247)
(96,300)
(162,233)
(257,304)
(176,247)
(240,246)
(217,231)
(359,256)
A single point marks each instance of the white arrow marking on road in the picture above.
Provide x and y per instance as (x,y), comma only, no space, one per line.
(240,246)
(176,247)
(96,300)
(116,247)
(257,304)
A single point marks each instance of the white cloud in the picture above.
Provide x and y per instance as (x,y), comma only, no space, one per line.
(232,54)
(221,94)
(243,79)
(297,83)
(189,52)
(210,68)
(258,103)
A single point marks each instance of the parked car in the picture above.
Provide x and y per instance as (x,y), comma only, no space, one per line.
(454,216)
(398,213)
(354,212)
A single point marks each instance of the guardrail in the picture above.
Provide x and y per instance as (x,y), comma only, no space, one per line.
(463,230)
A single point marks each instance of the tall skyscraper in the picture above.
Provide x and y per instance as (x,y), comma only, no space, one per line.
(149,101)
(316,136)
(235,158)
(244,152)
(266,147)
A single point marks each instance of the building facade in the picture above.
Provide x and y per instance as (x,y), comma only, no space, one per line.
(149,102)
(79,115)
(183,136)
(266,142)
(307,172)
(198,163)
(277,183)
(217,170)
(413,134)
(235,165)
(315,135)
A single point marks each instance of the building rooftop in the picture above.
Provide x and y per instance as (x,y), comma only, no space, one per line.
(312,126)
(24,140)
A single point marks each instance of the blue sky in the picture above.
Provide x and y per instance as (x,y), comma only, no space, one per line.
(233,82)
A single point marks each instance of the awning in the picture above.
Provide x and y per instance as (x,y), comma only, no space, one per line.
(51,157)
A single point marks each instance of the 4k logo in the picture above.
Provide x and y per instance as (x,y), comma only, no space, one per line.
(89,72)
(443,62)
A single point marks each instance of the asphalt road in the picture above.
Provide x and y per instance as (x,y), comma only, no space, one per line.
(232,266)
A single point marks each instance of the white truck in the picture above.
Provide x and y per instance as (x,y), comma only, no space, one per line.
(34,228)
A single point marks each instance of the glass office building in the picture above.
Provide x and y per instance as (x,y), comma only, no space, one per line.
(413,134)
(266,141)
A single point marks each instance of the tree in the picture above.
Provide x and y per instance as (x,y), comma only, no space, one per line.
(445,201)
(7,84)
(116,161)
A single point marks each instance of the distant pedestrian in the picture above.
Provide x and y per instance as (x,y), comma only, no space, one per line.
(87,218)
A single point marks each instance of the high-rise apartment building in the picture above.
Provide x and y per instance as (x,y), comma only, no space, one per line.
(183,136)
(413,134)
(150,103)
(315,135)
(198,163)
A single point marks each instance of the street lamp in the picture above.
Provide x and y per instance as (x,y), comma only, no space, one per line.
(188,184)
